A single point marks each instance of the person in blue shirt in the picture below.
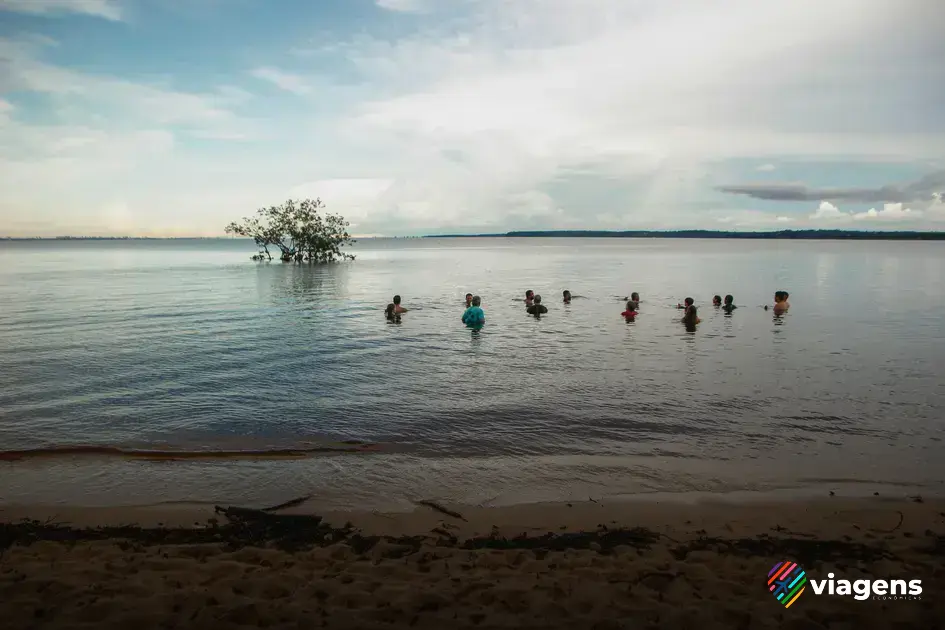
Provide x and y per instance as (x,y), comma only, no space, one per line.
(473,316)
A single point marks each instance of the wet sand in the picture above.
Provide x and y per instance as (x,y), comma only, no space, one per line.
(642,564)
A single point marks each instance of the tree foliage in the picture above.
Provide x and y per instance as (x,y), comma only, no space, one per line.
(298,230)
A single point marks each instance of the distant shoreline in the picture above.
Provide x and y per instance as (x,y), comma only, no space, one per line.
(782,234)
(855,235)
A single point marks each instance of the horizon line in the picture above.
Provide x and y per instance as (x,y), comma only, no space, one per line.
(860,233)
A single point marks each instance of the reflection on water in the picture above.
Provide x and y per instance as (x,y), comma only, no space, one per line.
(141,343)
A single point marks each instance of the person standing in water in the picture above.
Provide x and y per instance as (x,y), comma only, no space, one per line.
(469,298)
(631,312)
(729,305)
(473,316)
(537,308)
(529,297)
(567,296)
(717,301)
(686,304)
(691,318)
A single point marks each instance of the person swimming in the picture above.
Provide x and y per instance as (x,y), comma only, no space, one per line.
(529,297)
(390,314)
(717,301)
(398,309)
(631,311)
(691,318)
(567,296)
(780,302)
(537,308)
(688,302)
(473,316)
(729,305)
(469,298)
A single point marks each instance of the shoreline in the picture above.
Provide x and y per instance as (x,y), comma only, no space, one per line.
(591,564)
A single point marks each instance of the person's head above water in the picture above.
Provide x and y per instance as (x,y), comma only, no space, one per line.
(469,297)
(635,296)
(396,299)
(717,300)
(476,300)
(537,299)
(689,301)
(729,299)
(778,296)
(567,295)
(631,306)
(529,294)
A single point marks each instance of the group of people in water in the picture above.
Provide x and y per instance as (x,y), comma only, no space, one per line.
(475,317)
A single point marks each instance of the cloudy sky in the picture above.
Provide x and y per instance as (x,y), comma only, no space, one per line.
(173,117)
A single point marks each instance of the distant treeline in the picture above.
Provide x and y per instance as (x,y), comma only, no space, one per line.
(783,234)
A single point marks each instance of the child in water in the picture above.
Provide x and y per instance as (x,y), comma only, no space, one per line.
(691,318)
(390,315)
(529,297)
(537,308)
(729,305)
(631,311)
(688,303)
(567,296)
(473,316)
(469,297)
(717,301)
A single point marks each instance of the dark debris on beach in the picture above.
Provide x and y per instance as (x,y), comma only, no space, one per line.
(249,527)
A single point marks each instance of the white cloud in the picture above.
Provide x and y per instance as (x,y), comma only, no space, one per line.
(404,6)
(826,211)
(284,80)
(108,9)
(785,219)
(890,212)
(766,168)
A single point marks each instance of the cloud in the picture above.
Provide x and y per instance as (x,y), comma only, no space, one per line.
(890,212)
(284,80)
(79,98)
(107,9)
(766,168)
(404,6)
(920,189)
(826,211)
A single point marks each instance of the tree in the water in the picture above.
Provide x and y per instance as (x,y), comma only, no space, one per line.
(298,230)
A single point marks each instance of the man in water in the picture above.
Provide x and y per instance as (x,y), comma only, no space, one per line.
(567,296)
(473,316)
(469,299)
(537,308)
(529,297)
(688,302)
(781,304)
(398,309)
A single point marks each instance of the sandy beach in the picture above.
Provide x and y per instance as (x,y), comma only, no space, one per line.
(642,564)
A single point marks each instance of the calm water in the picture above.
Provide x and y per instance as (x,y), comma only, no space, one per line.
(188,344)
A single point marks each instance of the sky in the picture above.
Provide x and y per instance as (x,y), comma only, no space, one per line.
(408,117)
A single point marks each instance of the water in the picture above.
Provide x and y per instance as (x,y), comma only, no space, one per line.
(189,345)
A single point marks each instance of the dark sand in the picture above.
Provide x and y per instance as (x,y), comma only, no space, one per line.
(636,565)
